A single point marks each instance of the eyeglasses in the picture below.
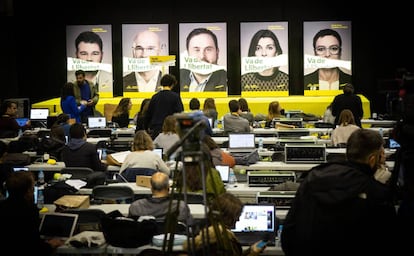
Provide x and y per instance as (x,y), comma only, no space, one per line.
(141,49)
(333,49)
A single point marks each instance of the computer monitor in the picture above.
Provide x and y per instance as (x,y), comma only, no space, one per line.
(96,122)
(39,114)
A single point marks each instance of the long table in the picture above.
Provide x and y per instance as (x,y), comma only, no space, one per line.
(241,190)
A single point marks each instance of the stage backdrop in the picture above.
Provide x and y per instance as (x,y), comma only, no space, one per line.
(141,78)
(327,48)
(264,58)
(203,59)
(89,47)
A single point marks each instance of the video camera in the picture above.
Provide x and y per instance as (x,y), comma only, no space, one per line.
(190,127)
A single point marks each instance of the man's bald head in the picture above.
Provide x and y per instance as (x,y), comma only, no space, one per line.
(160,183)
(146,43)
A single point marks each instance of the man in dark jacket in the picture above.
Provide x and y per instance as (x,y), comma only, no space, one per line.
(340,208)
(80,153)
(348,100)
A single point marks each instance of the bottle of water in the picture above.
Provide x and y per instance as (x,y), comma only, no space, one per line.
(260,144)
(104,154)
(41,178)
(279,236)
(232,178)
(381,132)
(40,198)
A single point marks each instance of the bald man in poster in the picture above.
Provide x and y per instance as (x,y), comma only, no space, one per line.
(146,43)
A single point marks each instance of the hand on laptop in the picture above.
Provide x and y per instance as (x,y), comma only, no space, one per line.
(258,247)
(55,242)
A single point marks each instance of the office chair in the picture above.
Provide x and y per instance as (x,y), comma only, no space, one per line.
(77,172)
(130,174)
(88,219)
(112,194)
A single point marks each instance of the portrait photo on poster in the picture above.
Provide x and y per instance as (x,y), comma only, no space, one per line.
(139,43)
(327,49)
(89,48)
(203,57)
(264,56)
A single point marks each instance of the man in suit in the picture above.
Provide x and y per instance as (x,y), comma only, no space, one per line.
(146,43)
(202,44)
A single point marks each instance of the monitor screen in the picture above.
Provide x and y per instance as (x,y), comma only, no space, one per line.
(96,122)
(39,114)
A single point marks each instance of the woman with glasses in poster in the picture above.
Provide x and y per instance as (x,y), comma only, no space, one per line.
(327,43)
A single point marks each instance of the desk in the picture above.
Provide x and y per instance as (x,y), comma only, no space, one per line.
(197,210)
(269,140)
(378,123)
(46,167)
(243,191)
(282,166)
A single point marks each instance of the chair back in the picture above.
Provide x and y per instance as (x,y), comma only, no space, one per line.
(130,174)
(192,197)
(88,219)
(77,172)
(113,194)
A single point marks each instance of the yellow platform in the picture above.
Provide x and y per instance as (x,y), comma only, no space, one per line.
(308,104)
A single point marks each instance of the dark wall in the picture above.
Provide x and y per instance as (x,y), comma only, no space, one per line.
(34,43)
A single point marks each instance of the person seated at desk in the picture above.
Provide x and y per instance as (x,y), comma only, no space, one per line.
(233,122)
(9,128)
(158,204)
(54,144)
(168,137)
(20,220)
(229,207)
(142,155)
(245,111)
(218,156)
(347,126)
(80,153)
(214,183)
(274,111)
(121,113)
(343,200)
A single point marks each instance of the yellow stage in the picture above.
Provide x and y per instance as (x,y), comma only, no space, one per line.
(308,104)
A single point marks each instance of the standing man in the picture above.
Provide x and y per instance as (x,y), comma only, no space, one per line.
(340,208)
(146,43)
(85,93)
(161,105)
(202,44)
(348,100)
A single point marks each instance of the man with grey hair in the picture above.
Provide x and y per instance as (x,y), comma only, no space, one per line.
(157,205)
(146,43)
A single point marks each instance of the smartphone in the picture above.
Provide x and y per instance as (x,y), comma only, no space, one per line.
(262,244)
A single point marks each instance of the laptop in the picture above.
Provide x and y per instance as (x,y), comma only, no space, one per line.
(39,114)
(158,151)
(22,121)
(224,171)
(256,222)
(241,142)
(96,122)
(58,225)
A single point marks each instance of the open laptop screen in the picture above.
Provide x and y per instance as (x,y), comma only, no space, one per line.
(22,121)
(224,171)
(158,151)
(256,217)
(39,114)
(96,122)
(241,142)
(58,225)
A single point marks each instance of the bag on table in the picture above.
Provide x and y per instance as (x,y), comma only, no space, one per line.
(128,233)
